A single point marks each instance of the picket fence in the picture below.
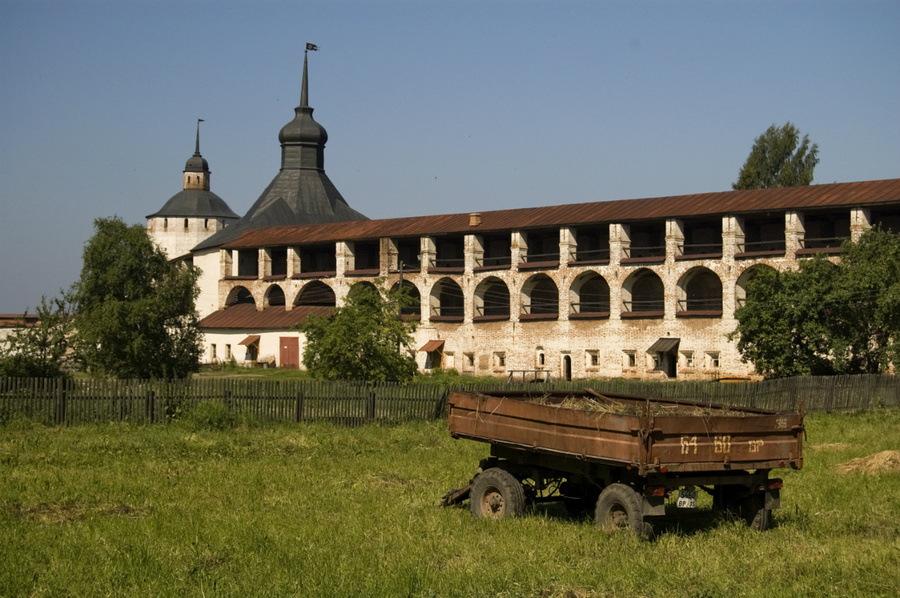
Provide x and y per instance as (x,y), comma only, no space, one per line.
(76,401)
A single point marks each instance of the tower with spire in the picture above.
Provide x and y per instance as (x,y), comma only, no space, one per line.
(192,215)
(301,193)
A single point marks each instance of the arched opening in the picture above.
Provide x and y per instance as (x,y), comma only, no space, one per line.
(239,295)
(316,293)
(700,293)
(491,300)
(274,296)
(540,298)
(411,302)
(447,301)
(589,297)
(643,295)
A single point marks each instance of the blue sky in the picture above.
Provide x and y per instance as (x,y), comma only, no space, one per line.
(431,106)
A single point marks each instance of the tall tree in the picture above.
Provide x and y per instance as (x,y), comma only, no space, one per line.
(134,310)
(365,339)
(826,318)
(38,349)
(779,158)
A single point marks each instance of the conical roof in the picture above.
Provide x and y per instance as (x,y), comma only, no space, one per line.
(301,192)
(196,201)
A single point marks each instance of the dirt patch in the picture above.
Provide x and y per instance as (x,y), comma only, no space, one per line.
(883,462)
(57,514)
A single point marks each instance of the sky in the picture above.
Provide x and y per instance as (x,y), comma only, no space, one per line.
(431,107)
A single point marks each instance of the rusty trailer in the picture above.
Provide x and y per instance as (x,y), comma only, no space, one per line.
(623,456)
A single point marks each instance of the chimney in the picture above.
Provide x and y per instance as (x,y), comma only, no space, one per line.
(475,219)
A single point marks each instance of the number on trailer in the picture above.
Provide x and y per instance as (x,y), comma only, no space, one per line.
(755,445)
(722,444)
(686,443)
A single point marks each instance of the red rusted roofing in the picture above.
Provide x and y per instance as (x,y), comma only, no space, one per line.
(245,315)
(432,346)
(683,206)
(250,340)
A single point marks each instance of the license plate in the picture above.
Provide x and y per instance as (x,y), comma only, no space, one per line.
(687,499)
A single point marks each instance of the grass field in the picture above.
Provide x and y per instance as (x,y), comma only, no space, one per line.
(316,510)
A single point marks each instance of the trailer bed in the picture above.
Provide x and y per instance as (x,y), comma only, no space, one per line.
(650,436)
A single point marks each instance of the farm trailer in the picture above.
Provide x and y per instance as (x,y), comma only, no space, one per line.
(623,456)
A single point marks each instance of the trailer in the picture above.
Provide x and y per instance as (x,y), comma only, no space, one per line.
(625,457)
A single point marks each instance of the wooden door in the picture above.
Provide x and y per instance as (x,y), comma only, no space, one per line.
(289,357)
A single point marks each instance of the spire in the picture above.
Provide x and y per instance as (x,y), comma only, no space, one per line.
(303,139)
(196,170)
(197,146)
(304,87)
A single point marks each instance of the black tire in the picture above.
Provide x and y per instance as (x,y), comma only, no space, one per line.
(620,507)
(496,494)
(752,509)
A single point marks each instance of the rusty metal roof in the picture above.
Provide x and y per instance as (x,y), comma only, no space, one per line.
(812,197)
(434,345)
(245,315)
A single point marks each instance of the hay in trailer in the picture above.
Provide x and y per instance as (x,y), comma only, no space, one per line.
(599,404)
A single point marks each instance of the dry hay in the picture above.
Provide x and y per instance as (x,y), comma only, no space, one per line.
(837,446)
(883,462)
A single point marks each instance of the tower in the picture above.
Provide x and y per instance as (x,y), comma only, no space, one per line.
(192,215)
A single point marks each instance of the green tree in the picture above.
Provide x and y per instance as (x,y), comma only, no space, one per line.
(134,310)
(864,305)
(38,350)
(824,318)
(779,158)
(365,339)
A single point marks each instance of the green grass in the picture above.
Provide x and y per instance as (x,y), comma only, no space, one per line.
(316,510)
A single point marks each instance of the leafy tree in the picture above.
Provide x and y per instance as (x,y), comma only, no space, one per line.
(865,304)
(365,339)
(826,318)
(779,158)
(134,310)
(39,350)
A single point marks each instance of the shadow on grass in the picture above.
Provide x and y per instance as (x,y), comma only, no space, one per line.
(678,522)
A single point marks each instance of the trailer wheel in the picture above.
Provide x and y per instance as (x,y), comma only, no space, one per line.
(620,507)
(496,494)
(752,509)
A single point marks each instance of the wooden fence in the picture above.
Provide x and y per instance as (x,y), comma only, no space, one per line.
(67,402)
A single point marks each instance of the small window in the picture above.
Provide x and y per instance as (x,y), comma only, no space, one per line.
(206,223)
(185,223)
(165,223)
(227,351)
(470,360)
(713,357)
(212,352)
(499,359)
(592,358)
(688,357)
(630,359)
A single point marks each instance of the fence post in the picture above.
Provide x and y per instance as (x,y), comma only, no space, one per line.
(370,407)
(61,399)
(151,396)
(299,411)
(829,394)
